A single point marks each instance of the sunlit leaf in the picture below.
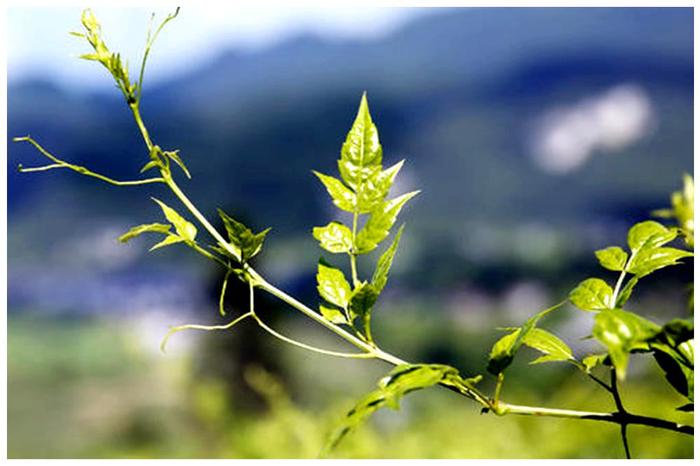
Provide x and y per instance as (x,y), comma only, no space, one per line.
(649,260)
(553,347)
(342,196)
(621,332)
(334,237)
(242,237)
(504,350)
(592,294)
(380,222)
(402,380)
(332,285)
(649,234)
(185,230)
(332,314)
(170,239)
(381,273)
(147,228)
(362,299)
(612,258)
(626,292)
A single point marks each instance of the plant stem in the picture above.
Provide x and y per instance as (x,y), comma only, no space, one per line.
(616,418)
(620,409)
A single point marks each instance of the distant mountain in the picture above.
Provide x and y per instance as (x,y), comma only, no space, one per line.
(454,92)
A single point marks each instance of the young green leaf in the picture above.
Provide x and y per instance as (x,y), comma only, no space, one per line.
(649,260)
(170,239)
(504,350)
(553,347)
(333,315)
(361,301)
(592,294)
(175,156)
(342,196)
(381,273)
(674,353)
(146,228)
(649,234)
(613,258)
(248,243)
(621,332)
(626,292)
(334,237)
(375,188)
(400,381)
(332,285)
(361,154)
(594,360)
(682,209)
(381,219)
(185,229)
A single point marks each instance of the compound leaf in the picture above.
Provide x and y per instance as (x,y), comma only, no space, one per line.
(400,381)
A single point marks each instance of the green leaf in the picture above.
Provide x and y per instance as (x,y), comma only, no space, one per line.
(361,154)
(621,332)
(400,381)
(504,350)
(626,292)
(333,315)
(363,298)
(170,239)
(375,188)
(613,258)
(242,237)
(677,374)
(332,285)
(553,347)
(592,294)
(146,228)
(674,352)
(649,260)
(649,234)
(594,360)
(381,273)
(175,156)
(380,222)
(185,229)
(342,196)
(334,237)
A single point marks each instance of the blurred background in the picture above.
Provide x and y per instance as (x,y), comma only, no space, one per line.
(535,135)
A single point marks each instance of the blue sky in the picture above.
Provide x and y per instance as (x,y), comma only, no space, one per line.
(38,42)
